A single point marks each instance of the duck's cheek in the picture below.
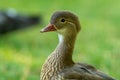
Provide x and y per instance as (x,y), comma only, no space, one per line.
(60,27)
(62,31)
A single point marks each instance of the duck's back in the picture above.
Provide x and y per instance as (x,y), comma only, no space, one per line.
(82,71)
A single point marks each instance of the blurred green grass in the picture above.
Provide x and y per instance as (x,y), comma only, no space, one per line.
(22,53)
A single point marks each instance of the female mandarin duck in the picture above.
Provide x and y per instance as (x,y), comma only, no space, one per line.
(59,65)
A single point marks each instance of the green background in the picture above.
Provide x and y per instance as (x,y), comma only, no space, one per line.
(23,52)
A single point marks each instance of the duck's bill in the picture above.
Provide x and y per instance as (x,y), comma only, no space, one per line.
(48,28)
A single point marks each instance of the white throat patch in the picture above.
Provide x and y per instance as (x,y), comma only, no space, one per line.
(60,37)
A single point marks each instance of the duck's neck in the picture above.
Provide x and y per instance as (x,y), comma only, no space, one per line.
(60,58)
(64,50)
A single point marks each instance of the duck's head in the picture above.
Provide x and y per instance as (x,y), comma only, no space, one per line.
(64,22)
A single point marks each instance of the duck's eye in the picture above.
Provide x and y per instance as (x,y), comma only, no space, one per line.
(62,20)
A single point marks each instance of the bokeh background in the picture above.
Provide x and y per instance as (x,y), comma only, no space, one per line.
(23,52)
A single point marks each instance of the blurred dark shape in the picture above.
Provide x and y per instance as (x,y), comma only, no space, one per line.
(10,21)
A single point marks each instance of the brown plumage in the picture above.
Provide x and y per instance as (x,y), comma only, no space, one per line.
(59,65)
